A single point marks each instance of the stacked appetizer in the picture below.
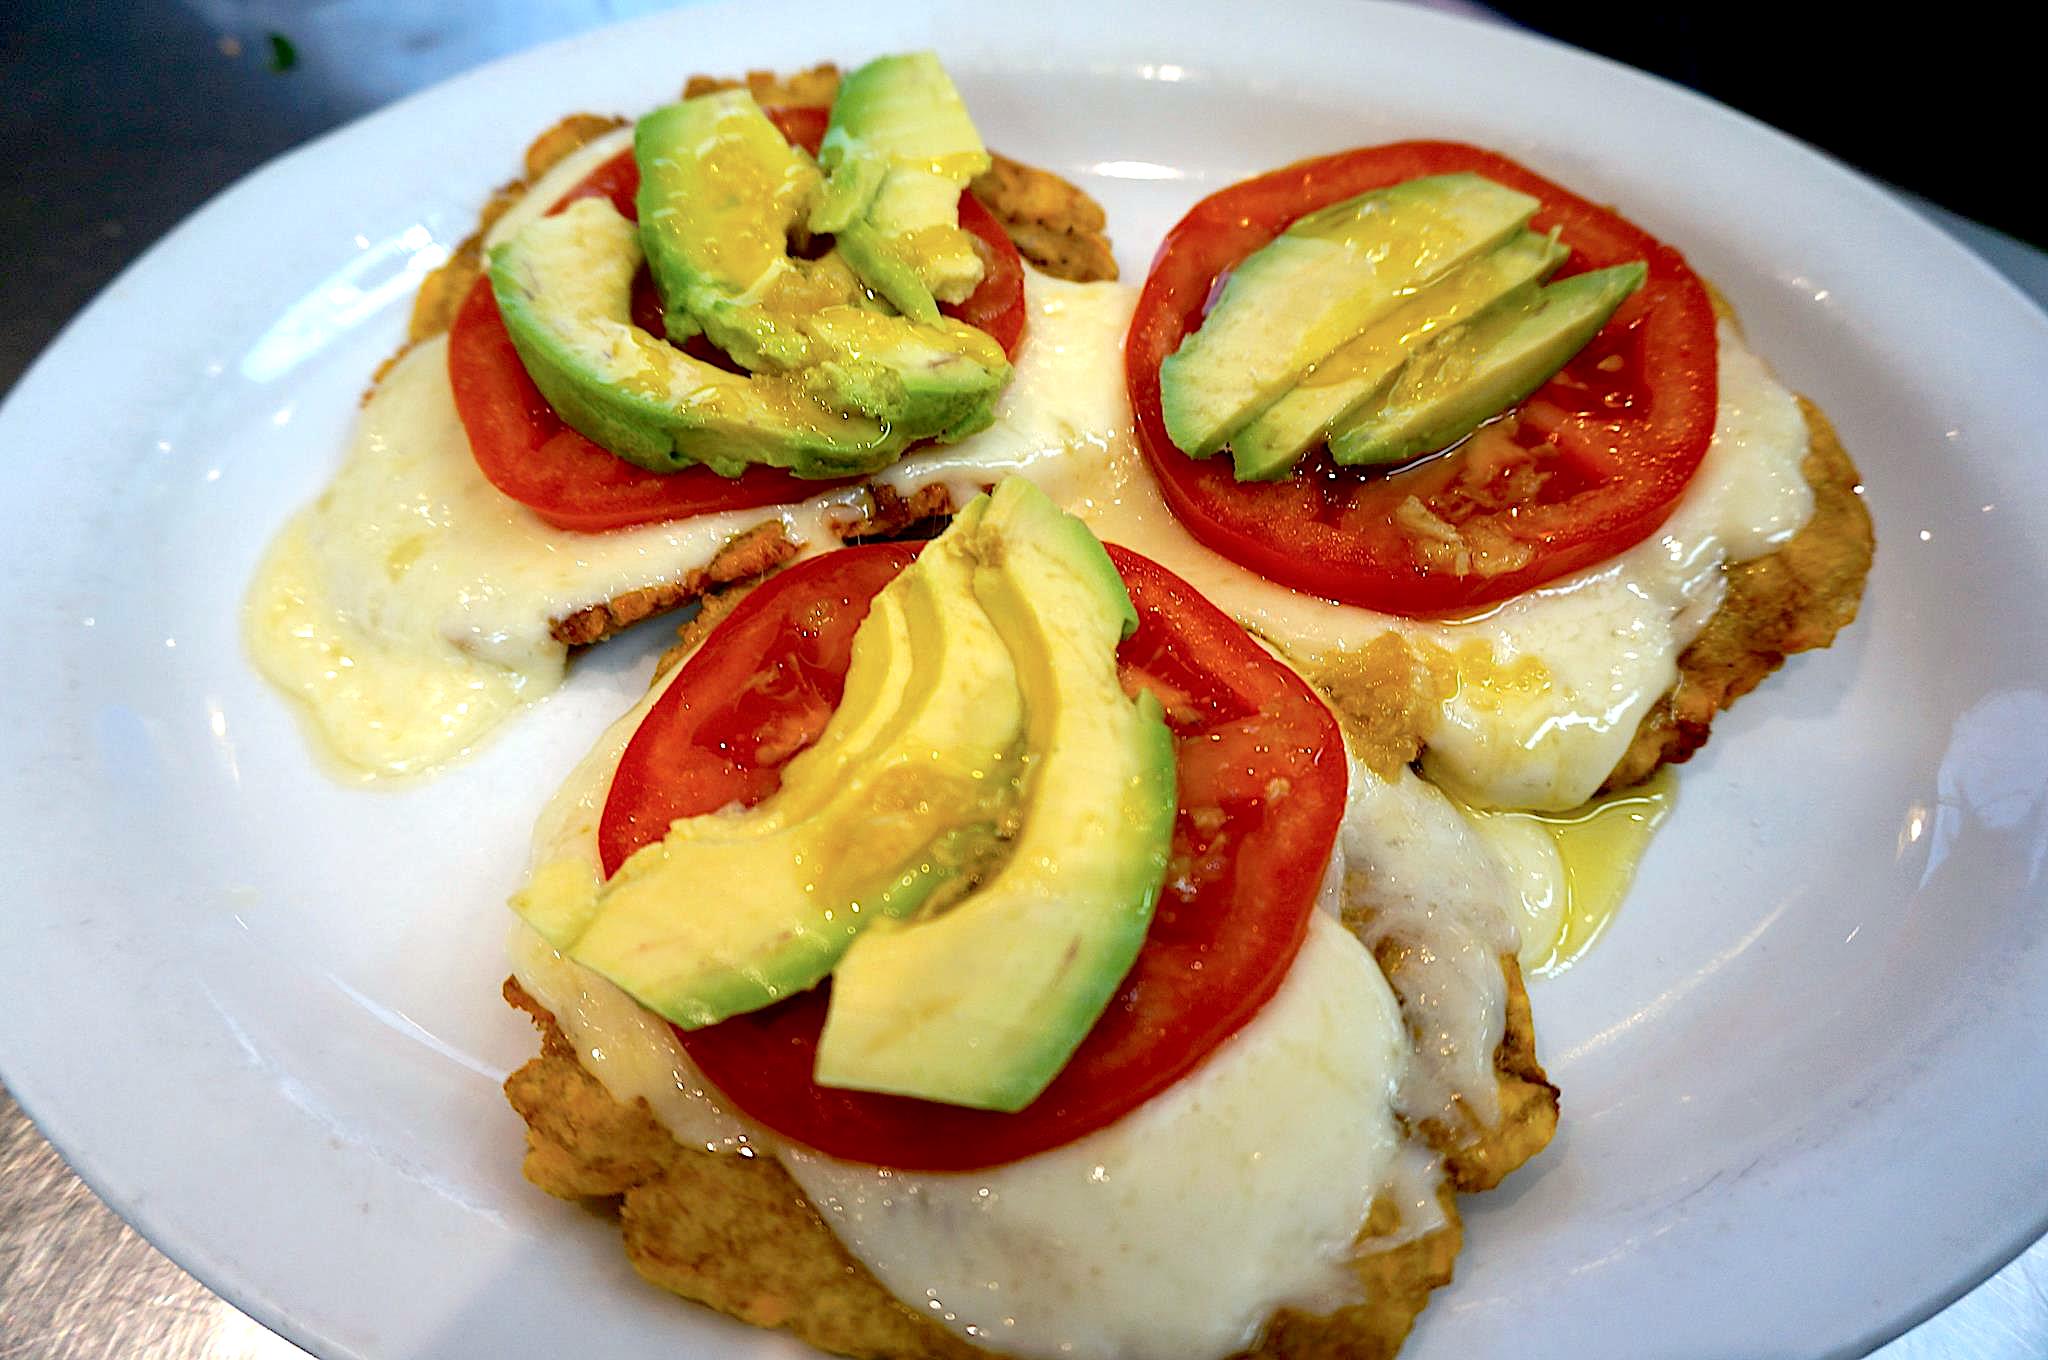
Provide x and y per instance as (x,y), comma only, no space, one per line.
(1021,995)
(1491,447)
(1096,926)
(608,421)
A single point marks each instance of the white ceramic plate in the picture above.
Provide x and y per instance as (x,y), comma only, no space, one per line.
(1804,1076)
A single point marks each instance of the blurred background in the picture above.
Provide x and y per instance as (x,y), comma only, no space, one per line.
(1935,100)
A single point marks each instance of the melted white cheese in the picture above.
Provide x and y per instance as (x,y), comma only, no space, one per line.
(1417,872)
(1176,1231)
(1129,1242)
(409,607)
(628,1048)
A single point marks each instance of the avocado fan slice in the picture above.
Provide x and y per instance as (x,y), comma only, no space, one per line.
(721,191)
(564,287)
(899,151)
(1328,277)
(983,1003)
(721,196)
(1476,371)
(1362,368)
(731,912)
(566,894)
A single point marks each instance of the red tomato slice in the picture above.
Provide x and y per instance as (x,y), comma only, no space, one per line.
(531,455)
(1262,782)
(1591,464)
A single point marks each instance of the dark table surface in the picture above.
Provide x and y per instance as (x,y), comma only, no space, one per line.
(119,119)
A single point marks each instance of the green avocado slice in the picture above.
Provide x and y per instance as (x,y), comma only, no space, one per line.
(721,195)
(1324,280)
(938,381)
(721,190)
(1361,369)
(983,1003)
(871,711)
(564,286)
(1476,371)
(729,913)
(899,151)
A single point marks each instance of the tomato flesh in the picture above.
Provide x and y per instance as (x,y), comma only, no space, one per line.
(1261,778)
(1590,465)
(760,690)
(529,453)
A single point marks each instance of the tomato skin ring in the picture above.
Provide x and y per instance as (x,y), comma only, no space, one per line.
(1228,924)
(1331,532)
(530,454)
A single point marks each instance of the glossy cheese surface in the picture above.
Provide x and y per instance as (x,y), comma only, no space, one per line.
(1177,1230)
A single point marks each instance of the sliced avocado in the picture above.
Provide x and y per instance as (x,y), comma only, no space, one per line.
(1325,279)
(982,1004)
(721,192)
(1477,371)
(937,381)
(1362,368)
(870,709)
(899,151)
(726,915)
(565,895)
(564,285)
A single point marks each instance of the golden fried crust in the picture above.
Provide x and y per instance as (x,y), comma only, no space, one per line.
(1397,1285)
(703,1228)
(1479,1155)
(1053,223)
(736,1233)
(711,611)
(815,88)
(886,515)
(732,1232)
(1792,600)
(1528,1102)
(758,550)
(578,1147)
